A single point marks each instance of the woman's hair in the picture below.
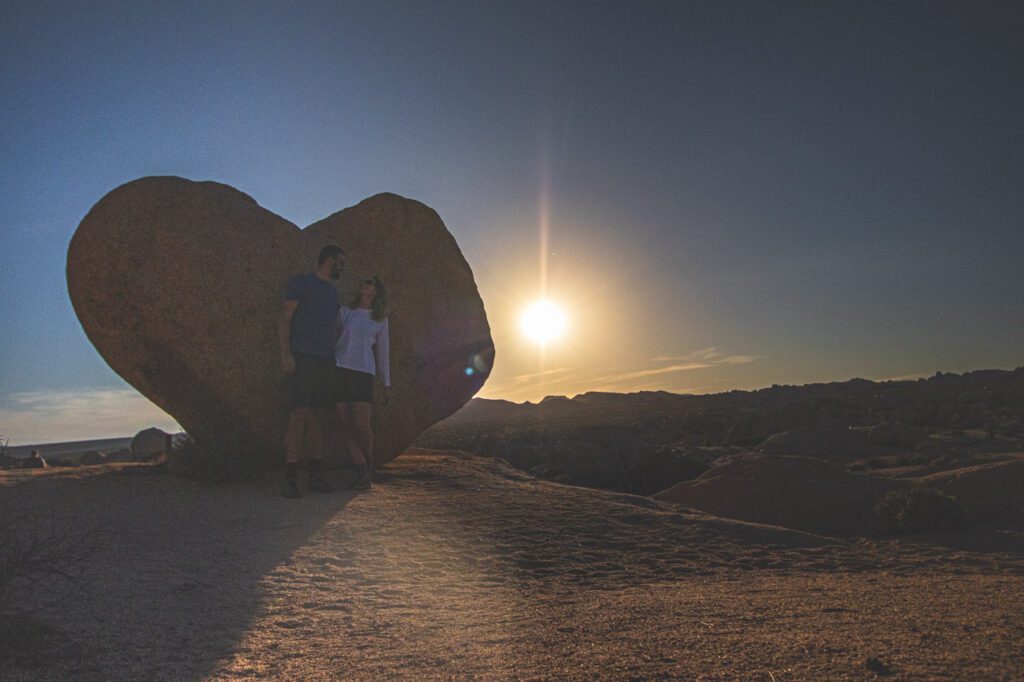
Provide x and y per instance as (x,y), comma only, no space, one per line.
(380,300)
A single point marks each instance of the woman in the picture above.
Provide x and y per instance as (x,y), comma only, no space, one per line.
(360,354)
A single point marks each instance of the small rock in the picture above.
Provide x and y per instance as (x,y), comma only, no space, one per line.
(149,444)
(878,667)
(92,457)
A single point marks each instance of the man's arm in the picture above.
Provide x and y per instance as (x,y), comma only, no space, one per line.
(336,332)
(284,334)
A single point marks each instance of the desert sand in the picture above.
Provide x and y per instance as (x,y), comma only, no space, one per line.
(458,566)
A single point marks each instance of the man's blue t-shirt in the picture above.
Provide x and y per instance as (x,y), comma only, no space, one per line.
(312,330)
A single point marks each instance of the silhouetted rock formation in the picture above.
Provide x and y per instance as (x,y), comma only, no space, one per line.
(796,492)
(178,285)
(638,441)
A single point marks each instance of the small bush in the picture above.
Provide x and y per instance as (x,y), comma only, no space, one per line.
(210,461)
(31,550)
(921,510)
(33,553)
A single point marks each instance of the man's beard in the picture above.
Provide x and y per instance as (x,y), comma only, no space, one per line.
(336,272)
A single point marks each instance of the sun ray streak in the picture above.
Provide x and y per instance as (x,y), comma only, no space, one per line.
(544,227)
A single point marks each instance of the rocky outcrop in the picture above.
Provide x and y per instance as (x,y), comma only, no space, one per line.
(991,493)
(178,285)
(795,492)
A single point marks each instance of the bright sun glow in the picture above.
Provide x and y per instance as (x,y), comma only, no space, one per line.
(543,321)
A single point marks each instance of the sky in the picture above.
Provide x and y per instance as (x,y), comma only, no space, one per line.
(718,194)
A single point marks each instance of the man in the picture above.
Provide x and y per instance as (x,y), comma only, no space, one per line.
(305,330)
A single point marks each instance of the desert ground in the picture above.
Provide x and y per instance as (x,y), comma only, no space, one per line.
(460,566)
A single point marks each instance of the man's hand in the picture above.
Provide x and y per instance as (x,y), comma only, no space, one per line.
(288,363)
(385,399)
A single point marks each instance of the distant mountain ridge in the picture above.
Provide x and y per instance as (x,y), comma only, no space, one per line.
(485,409)
(645,442)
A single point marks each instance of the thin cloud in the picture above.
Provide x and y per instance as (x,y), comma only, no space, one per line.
(527,386)
(710,355)
(618,378)
(523,390)
(698,359)
(705,358)
(651,386)
(581,384)
(86,414)
(536,375)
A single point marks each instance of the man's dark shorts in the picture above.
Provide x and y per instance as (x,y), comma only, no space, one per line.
(352,386)
(311,385)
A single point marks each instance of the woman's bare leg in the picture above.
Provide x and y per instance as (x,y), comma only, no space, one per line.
(344,413)
(359,416)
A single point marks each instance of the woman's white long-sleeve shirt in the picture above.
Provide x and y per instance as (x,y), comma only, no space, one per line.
(363,345)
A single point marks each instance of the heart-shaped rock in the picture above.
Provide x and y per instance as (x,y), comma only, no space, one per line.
(178,284)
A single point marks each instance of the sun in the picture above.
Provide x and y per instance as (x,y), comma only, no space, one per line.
(543,321)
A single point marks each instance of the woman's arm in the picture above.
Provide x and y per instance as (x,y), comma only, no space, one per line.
(381,352)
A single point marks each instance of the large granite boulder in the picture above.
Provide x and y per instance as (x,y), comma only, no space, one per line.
(149,444)
(178,284)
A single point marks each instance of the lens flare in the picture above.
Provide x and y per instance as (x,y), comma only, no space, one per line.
(543,322)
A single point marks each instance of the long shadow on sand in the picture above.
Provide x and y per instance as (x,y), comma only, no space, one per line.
(534,530)
(174,570)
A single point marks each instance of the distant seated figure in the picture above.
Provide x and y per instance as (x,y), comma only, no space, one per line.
(34,461)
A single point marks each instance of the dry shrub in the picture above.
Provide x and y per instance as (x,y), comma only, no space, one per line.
(921,510)
(33,552)
(29,552)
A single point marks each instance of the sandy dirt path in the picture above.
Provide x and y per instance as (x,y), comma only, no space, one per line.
(459,567)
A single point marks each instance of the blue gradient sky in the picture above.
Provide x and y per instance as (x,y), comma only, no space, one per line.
(738,194)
